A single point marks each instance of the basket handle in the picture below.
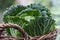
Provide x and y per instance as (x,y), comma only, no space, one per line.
(4,26)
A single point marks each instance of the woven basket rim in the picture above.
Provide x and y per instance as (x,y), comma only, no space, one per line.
(49,35)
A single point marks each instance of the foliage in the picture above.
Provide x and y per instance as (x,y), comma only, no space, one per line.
(40,26)
(41,8)
(10,14)
(32,18)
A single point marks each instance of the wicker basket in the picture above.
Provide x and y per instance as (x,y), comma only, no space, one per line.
(50,36)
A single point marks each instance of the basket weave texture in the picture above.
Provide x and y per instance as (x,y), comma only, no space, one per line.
(50,36)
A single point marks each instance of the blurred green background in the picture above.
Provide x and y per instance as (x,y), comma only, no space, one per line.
(52,5)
